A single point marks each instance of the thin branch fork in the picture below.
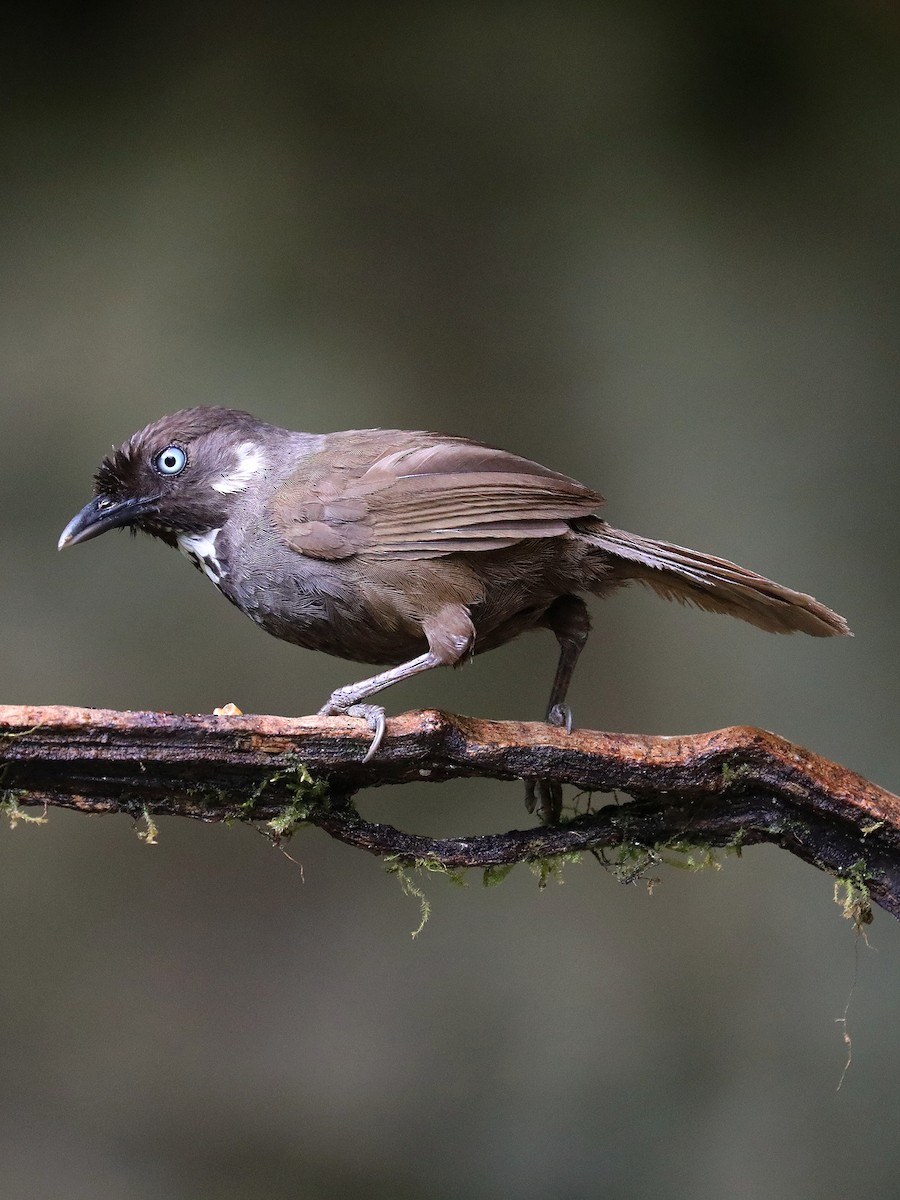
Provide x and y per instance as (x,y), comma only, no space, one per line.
(737,786)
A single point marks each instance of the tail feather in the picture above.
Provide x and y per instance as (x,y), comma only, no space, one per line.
(713,583)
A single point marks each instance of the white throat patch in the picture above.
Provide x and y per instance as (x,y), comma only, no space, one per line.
(201,550)
(249,461)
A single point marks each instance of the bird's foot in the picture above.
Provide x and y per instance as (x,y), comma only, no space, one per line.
(372,714)
(228,710)
(561,716)
(544,796)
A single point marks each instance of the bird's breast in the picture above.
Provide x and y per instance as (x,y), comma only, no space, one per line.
(319,605)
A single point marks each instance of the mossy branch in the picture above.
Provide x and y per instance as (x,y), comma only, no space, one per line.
(733,787)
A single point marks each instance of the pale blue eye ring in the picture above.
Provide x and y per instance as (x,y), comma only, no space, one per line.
(170,461)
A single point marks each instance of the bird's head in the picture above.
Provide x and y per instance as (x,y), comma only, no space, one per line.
(178,476)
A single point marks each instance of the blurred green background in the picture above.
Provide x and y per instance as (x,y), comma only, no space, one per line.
(651,244)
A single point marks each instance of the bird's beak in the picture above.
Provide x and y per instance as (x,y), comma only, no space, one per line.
(100,514)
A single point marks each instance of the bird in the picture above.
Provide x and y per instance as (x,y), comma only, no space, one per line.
(405,549)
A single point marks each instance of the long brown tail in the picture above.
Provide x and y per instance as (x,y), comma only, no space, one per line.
(713,583)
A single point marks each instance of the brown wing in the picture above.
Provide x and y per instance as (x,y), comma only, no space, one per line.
(427,498)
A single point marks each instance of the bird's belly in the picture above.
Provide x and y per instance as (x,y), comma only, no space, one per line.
(320,610)
(342,635)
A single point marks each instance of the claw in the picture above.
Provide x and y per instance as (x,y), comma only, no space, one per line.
(550,801)
(545,797)
(560,715)
(530,797)
(373,715)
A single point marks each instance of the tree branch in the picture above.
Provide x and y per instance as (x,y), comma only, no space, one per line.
(732,787)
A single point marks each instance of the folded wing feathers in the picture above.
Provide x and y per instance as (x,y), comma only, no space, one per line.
(457,457)
(476,509)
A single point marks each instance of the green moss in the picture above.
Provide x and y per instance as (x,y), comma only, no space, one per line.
(13,810)
(736,845)
(852,894)
(496,874)
(149,835)
(307,794)
(403,868)
(551,866)
(400,869)
(632,860)
(689,856)
(871,827)
(13,735)
(730,773)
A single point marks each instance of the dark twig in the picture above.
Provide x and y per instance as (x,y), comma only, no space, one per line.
(735,786)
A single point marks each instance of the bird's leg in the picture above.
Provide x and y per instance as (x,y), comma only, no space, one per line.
(569,619)
(349,699)
(450,635)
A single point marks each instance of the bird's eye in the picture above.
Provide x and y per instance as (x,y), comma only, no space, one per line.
(170,461)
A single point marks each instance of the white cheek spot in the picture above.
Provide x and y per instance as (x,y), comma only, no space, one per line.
(249,461)
(201,550)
